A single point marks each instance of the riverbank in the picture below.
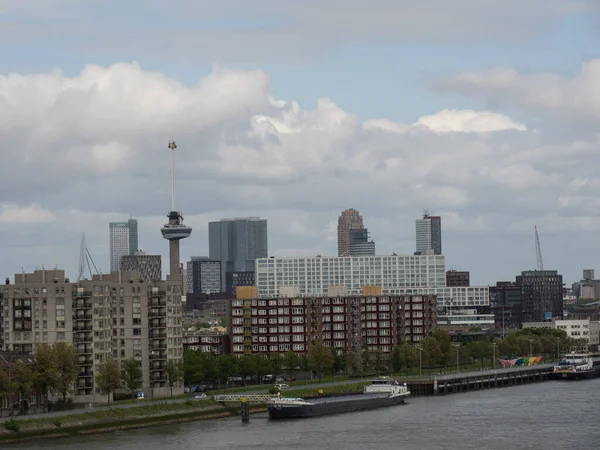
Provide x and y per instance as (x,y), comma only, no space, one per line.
(116,419)
(120,418)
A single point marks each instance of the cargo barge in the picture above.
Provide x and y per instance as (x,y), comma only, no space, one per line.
(575,366)
(381,393)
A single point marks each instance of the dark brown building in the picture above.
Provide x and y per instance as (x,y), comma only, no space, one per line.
(542,292)
(208,341)
(506,303)
(373,321)
(590,311)
(455,278)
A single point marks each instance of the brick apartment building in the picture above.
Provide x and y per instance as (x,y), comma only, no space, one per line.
(291,323)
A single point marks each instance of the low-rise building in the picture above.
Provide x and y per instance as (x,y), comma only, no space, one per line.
(374,321)
(206,340)
(576,329)
(465,319)
(457,278)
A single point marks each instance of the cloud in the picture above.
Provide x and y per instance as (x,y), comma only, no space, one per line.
(573,99)
(24,215)
(93,148)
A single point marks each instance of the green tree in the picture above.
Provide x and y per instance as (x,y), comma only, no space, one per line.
(445,342)
(246,367)
(46,375)
(264,366)
(320,359)
(108,377)
(432,352)
(192,368)
(22,377)
(67,366)
(132,376)
(174,372)
(291,361)
(341,359)
(6,389)
(355,361)
(397,359)
(223,322)
(228,366)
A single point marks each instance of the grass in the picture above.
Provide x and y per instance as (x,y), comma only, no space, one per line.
(117,415)
(158,399)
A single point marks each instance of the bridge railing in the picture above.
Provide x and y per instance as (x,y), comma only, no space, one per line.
(490,372)
(238,397)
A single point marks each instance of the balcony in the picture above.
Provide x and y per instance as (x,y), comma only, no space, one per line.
(158,366)
(86,373)
(82,304)
(158,335)
(161,302)
(157,314)
(86,361)
(84,294)
(158,294)
(82,338)
(158,355)
(159,344)
(86,385)
(155,323)
(83,327)
(81,316)
(85,349)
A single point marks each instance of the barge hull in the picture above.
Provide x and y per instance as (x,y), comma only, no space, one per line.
(335,407)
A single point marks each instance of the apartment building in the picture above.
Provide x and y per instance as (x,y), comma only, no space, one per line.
(207,341)
(396,274)
(117,315)
(374,321)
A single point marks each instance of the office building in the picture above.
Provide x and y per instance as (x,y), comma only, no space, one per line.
(455,278)
(506,303)
(123,241)
(542,292)
(149,266)
(235,279)
(373,321)
(360,244)
(429,235)
(206,275)
(117,315)
(237,243)
(350,219)
(396,274)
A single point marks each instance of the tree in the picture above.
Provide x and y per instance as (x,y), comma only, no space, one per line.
(431,350)
(445,342)
(22,376)
(132,376)
(108,377)
(67,367)
(5,386)
(174,371)
(291,361)
(246,367)
(396,359)
(320,358)
(355,363)
(46,375)
(223,322)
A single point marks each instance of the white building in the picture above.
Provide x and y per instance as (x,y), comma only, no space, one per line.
(465,318)
(396,274)
(575,329)
(123,238)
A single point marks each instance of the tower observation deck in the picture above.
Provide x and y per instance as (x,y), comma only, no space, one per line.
(174,230)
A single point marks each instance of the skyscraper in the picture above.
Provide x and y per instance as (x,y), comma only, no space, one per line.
(149,266)
(429,235)
(237,243)
(123,238)
(360,244)
(349,220)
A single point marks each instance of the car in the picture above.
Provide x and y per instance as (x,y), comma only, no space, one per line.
(200,396)
(279,387)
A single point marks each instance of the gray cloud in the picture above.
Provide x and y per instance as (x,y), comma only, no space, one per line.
(78,152)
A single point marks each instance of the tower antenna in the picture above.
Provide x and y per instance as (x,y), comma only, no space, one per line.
(172,146)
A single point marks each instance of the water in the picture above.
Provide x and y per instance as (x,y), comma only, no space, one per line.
(544,416)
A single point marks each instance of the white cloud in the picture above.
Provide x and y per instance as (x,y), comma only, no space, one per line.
(93,148)
(468,121)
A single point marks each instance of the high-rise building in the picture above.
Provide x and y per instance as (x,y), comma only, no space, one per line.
(237,243)
(235,279)
(360,244)
(506,303)
(206,275)
(429,235)
(542,292)
(396,274)
(117,315)
(350,219)
(148,265)
(123,241)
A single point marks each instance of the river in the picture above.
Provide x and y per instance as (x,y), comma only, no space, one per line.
(545,416)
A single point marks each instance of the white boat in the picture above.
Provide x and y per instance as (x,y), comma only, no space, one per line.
(576,365)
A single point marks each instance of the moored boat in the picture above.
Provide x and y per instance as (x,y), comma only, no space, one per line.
(576,366)
(381,393)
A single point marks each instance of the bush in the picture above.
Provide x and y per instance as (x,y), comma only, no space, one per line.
(12,425)
(57,423)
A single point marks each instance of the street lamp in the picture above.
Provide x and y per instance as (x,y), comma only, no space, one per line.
(457,351)
(494,357)
(420,359)
(558,349)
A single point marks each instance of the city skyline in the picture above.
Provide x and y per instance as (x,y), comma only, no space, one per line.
(489,119)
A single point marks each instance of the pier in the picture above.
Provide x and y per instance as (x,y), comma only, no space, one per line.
(484,379)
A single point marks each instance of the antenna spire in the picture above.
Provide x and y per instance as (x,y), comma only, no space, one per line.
(172,146)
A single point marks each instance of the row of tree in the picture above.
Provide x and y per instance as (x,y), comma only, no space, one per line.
(436,351)
(52,372)
(111,377)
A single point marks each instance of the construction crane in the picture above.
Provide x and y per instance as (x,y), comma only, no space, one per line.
(85,259)
(538,251)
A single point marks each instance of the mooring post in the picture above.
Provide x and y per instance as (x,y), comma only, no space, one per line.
(245,410)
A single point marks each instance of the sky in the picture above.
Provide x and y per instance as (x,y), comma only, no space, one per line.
(485,113)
